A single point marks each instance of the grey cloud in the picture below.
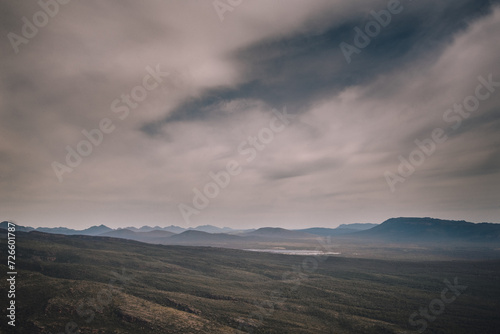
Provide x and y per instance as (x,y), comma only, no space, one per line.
(352,120)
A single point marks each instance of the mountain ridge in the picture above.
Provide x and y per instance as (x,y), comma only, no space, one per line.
(404,229)
(432,229)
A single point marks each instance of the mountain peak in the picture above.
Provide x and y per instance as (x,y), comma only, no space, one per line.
(433,229)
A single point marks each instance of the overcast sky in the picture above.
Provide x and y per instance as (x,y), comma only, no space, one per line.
(220,76)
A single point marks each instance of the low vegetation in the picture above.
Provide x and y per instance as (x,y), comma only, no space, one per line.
(108,285)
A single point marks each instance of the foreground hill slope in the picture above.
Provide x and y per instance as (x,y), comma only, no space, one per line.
(109,285)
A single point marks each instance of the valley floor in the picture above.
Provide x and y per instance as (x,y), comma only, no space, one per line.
(105,285)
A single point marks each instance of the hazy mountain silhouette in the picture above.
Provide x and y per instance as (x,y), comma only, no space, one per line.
(276,232)
(403,229)
(154,236)
(193,237)
(212,229)
(341,230)
(431,229)
(94,230)
(357,226)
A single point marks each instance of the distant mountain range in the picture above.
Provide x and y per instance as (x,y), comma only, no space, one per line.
(94,230)
(270,231)
(178,229)
(432,230)
(97,230)
(341,230)
(392,230)
(276,232)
